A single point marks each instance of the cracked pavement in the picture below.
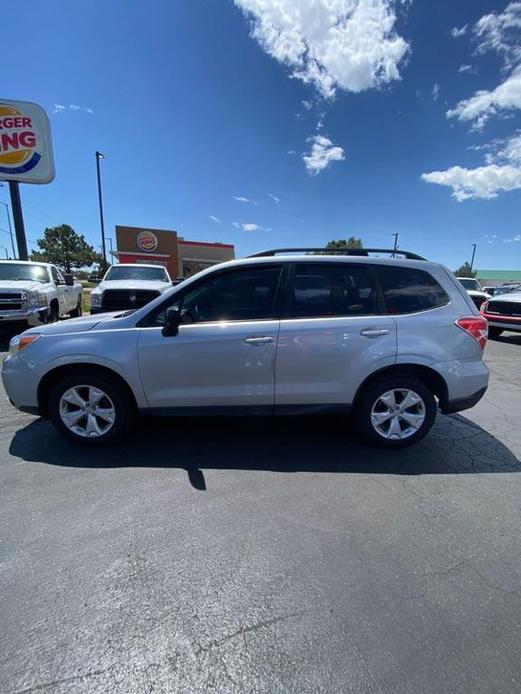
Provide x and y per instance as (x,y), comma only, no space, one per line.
(256,555)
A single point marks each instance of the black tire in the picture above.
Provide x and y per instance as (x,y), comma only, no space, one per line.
(54,312)
(370,396)
(77,312)
(123,407)
(494,333)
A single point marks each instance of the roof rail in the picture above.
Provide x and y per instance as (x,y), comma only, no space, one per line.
(345,251)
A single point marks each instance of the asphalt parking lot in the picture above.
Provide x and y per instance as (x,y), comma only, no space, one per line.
(255,555)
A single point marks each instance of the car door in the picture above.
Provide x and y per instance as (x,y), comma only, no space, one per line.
(224,353)
(333,335)
(59,282)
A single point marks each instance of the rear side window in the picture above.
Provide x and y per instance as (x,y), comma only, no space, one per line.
(407,290)
(327,289)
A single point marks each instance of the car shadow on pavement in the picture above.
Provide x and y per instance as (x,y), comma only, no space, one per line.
(289,444)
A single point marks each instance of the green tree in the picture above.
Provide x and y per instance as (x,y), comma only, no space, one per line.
(351,242)
(65,248)
(465,271)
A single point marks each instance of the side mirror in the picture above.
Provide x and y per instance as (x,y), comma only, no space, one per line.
(69,279)
(173,320)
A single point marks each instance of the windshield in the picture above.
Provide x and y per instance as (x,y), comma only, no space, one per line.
(470,284)
(22,272)
(137,273)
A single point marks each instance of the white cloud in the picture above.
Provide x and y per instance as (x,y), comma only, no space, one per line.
(240,198)
(275,198)
(215,219)
(456,32)
(436,91)
(349,45)
(323,153)
(501,33)
(250,226)
(514,239)
(502,172)
(59,108)
(308,105)
(482,182)
(485,104)
(465,68)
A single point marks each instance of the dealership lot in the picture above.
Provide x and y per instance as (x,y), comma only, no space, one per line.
(256,555)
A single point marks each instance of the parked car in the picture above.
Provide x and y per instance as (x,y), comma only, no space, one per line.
(129,286)
(474,290)
(507,289)
(36,293)
(490,290)
(503,313)
(388,339)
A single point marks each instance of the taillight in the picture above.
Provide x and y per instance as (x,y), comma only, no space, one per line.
(476,326)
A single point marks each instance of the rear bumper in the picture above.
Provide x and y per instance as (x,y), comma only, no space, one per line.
(462,403)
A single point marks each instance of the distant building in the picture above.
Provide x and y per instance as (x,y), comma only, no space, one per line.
(493,278)
(181,257)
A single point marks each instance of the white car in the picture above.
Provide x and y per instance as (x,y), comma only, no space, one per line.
(128,286)
(474,290)
(36,293)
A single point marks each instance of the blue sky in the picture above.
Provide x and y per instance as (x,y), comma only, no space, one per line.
(322,114)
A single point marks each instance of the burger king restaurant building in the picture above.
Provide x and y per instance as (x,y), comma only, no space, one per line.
(182,258)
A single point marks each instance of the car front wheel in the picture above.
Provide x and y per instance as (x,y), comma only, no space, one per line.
(395,411)
(90,409)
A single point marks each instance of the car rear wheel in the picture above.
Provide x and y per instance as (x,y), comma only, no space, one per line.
(395,411)
(494,332)
(89,408)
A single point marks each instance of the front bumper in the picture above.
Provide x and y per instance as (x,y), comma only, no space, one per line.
(20,383)
(504,322)
(29,316)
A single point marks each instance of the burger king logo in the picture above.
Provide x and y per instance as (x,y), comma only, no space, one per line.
(25,153)
(18,141)
(147,241)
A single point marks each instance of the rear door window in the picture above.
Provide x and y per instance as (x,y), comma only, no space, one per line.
(408,290)
(328,289)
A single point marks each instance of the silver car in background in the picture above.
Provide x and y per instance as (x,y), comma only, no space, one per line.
(388,339)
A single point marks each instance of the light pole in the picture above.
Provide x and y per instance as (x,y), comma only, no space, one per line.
(99,156)
(473,254)
(111,248)
(10,227)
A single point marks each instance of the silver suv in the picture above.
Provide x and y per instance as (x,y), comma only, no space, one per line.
(389,339)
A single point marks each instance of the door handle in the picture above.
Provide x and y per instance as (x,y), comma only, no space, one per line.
(258,340)
(374,332)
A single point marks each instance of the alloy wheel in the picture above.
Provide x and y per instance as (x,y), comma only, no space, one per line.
(87,411)
(398,413)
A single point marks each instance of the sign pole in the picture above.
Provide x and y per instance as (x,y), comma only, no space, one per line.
(18,218)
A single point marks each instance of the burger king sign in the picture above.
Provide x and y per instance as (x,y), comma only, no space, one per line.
(25,143)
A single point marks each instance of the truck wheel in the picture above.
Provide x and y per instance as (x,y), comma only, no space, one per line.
(54,313)
(77,312)
(90,409)
(395,411)
(493,333)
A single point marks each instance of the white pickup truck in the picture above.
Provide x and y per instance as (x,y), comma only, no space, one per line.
(129,286)
(35,293)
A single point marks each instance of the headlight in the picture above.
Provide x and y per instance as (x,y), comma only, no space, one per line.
(20,342)
(36,299)
(95,299)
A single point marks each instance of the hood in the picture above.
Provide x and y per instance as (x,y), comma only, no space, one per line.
(474,292)
(19,285)
(511,297)
(73,325)
(132,284)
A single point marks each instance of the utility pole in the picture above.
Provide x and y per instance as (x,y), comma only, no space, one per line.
(473,254)
(99,156)
(19,228)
